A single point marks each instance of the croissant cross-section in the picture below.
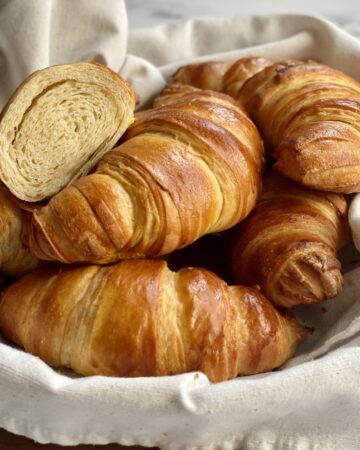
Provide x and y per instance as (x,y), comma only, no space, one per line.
(58,124)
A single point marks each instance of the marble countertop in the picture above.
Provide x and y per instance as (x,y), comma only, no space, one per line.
(345,13)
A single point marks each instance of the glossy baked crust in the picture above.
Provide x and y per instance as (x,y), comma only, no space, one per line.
(137,318)
(189,167)
(308,115)
(288,244)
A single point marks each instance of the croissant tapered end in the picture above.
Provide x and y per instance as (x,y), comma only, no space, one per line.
(220,76)
(310,274)
(305,273)
(206,75)
(137,318)
(240,72)
(288,244)
(303,160)
(40,244)
(58,124)
(278,337)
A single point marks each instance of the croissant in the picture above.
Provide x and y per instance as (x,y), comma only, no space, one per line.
(190,167)
(137,318)
(15,257)
(306,112)
(58,124)
(220,76)
(288,244)
(308,115)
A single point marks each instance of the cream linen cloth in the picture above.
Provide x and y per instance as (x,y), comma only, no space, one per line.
(311,403)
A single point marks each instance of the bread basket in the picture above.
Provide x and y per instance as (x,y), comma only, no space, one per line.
(312,402)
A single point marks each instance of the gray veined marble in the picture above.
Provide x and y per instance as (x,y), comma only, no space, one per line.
(146,13)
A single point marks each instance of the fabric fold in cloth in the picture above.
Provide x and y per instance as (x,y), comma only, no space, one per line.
(291,36)
(312,402)
(35,34)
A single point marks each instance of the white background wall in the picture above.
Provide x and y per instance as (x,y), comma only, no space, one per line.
(145,13)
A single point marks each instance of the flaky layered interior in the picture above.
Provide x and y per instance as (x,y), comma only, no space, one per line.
(58,124)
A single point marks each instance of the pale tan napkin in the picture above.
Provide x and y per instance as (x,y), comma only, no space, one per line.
(312,403)
(38,33)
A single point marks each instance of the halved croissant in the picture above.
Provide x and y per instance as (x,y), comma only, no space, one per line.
(309,117)
(189,167)
(58,124)
(15,257)
(137,318)
(289,242)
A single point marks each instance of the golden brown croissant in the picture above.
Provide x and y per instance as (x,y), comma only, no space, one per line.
(309,117)
(137,318)
(220,76)
(15,258)
(288,244)
(190,167)
(58,124)
(307,113)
